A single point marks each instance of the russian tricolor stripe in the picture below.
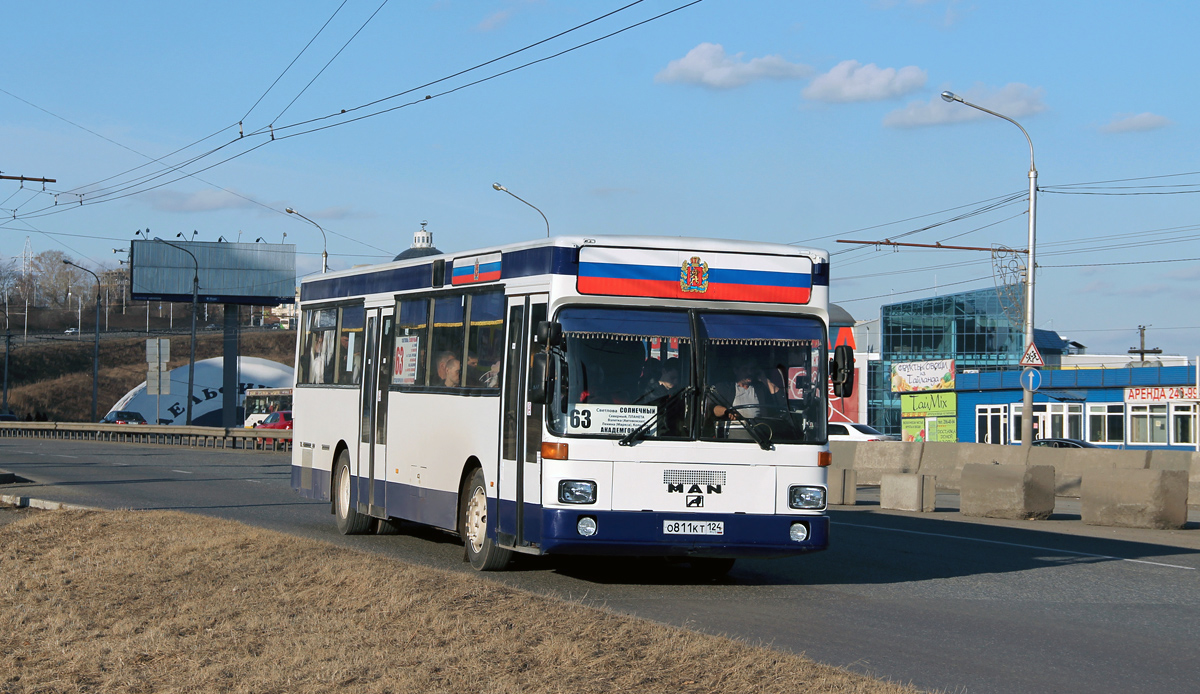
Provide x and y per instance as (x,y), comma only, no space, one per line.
(665,274)
(483,268)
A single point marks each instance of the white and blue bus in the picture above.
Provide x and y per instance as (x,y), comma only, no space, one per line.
(605,396)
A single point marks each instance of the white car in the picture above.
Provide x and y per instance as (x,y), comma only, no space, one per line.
(71,331)
(849,431)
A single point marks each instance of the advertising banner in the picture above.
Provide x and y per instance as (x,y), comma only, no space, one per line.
(913,376)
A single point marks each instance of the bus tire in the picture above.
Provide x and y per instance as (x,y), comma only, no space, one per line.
(482,551)
(349,520)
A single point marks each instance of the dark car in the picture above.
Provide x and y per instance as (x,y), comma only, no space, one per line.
(8,417)
(1063,443)
(123,417)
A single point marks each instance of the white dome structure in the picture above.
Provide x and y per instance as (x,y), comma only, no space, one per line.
(206,389)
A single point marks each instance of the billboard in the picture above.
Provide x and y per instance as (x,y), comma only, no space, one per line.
(229,273)
(911,376)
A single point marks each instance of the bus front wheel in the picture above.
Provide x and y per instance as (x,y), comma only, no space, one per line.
(349,520)
(482,551)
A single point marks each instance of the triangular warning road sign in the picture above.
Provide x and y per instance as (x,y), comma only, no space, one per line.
(1032,356)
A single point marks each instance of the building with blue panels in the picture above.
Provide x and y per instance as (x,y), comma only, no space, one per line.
(1141,408)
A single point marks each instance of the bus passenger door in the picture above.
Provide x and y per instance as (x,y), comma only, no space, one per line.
(520,477)
(372,449)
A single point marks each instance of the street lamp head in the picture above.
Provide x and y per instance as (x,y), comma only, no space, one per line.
(497,186)
(258,240)
(290,210)
(67,262)
(951,96)
(180,235)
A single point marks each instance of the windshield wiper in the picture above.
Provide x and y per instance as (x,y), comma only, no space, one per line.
(750,424)
(632,437)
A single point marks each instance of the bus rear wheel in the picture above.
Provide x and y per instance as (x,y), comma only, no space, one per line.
(482,551)
(349,520)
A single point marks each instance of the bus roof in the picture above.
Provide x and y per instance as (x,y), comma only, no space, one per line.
(557,255)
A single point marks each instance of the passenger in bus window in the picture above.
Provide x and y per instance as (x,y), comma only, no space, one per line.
(748,391)
(315,363)
(449,370)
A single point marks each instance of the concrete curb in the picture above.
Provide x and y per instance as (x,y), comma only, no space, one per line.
(19,501)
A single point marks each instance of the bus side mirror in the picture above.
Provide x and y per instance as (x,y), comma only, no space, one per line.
(842,373)
(548,333)
(538,372)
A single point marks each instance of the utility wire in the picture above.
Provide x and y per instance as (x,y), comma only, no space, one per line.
(289,67)
(335,56)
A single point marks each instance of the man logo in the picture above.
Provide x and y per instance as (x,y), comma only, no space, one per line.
(696,501)
(693,489)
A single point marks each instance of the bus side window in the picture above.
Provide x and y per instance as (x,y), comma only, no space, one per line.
(448,336)
(412,343)
(485,341)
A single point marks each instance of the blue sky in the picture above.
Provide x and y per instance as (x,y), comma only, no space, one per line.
(782,121)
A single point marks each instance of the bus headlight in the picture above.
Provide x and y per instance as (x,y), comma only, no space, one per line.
(577,492)
(586,526)
(798,532)
(808,498)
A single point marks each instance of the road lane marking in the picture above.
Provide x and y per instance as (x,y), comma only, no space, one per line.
(182,472)
(1015,544)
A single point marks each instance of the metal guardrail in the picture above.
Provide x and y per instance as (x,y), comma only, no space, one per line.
(193,436)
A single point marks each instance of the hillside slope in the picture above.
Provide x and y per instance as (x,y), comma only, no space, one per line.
(54,378)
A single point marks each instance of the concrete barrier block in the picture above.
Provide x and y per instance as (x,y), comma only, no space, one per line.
(907,492)
(842,487)
(1134,498)
(1017,492)
(1070,463)
(843,454)
(1180,460)
(946,460)
(872,459)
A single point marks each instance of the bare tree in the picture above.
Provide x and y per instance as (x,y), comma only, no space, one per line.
(56,281)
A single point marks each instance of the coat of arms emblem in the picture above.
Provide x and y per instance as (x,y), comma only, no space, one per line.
(693,276)
(477,269)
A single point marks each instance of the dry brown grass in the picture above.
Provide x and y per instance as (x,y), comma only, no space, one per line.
(164,601)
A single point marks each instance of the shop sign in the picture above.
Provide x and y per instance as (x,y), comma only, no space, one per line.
(1160,393)
(929,405)
(910,376)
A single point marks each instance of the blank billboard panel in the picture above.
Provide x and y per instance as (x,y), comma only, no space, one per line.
(230,273)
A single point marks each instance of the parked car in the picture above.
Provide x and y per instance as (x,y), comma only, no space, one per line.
(849,431)
(123,417)
(8,417)
(1063,443)
(276,420)
(71,331)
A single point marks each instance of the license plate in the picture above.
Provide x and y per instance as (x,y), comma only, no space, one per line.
(683,527)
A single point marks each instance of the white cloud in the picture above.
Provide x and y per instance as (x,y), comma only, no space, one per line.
(1134,123)
(709,66)
(200,201)
(494,21)
(850,80)
(1014,100)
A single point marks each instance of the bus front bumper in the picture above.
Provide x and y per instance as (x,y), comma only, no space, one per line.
(644,533)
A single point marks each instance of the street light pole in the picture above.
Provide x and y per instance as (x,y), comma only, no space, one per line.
(324,241)
(195,303)
(96,345)
(502,189)
(1030,266)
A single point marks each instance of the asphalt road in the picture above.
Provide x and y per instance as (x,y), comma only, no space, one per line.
(936,600)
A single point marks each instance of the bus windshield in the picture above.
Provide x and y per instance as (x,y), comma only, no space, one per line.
(632,374)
